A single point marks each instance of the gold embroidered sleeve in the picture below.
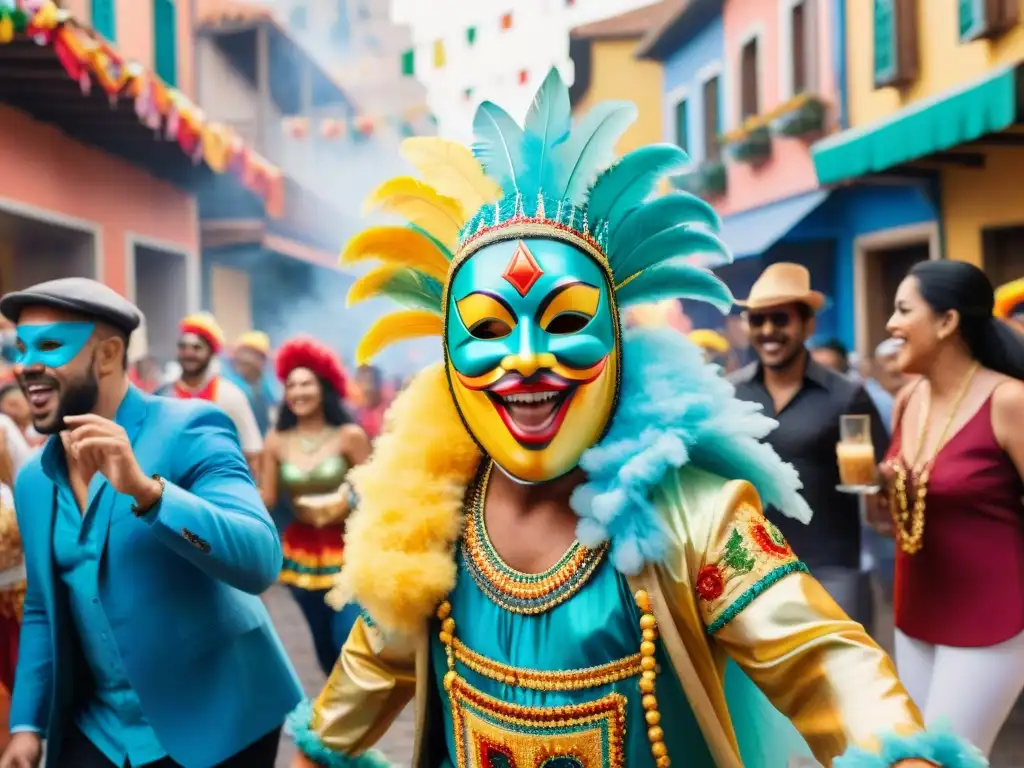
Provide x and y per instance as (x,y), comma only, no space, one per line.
(816,665)
(371,683)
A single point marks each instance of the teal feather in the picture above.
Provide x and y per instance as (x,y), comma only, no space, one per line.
(673,242)
(590,149)
(675,280)
(437,243)
(632,180)
(650,218)
(548,123)
(414,290)
(499,145)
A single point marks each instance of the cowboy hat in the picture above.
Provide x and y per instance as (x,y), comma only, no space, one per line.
(783,283)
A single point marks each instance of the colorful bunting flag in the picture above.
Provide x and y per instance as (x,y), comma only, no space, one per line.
(439,57)
(471,35)
(409,63)
(506,21)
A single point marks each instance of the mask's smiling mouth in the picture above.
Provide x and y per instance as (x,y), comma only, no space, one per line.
(533,408)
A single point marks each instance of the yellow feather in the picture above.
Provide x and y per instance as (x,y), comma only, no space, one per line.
(399,246)
(451,169)
(396,327)
(421,205)
(368,286)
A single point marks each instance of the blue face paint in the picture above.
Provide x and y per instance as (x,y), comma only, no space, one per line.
(52,345)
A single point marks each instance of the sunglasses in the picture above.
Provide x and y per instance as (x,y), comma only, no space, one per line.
(777,319)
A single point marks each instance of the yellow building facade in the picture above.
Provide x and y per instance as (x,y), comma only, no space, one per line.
(932,93)
(606,66)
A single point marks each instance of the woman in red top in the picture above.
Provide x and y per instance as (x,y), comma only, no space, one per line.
(955,497)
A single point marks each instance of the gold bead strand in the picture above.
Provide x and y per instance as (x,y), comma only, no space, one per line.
(648,675)
(446,636)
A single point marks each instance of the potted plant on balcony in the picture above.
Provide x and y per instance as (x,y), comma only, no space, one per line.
(708,180)
(801,117)
(751,144)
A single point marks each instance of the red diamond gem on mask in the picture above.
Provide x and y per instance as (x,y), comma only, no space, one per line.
(522,271)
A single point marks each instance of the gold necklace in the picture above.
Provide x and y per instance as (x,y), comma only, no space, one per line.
(910,521)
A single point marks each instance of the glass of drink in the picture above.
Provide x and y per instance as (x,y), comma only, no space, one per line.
(855,453)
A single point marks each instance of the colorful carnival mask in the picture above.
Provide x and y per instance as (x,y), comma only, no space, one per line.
(520,254)
(52,345)
(532,341)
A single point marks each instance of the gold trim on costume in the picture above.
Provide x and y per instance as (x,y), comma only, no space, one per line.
(591,733)
(544,680)
(518,592)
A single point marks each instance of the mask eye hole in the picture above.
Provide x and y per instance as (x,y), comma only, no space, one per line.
(568,322)
(49,345)
(490,328)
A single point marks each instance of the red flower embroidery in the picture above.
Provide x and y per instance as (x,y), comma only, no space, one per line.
(770,540)
(710,584)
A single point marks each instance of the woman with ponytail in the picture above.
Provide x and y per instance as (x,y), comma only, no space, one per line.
(954,496)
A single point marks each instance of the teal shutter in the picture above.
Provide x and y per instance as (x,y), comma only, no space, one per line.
(682,125)
(409,63)
(165,41)
(885,41)
(104,20)
(972,18)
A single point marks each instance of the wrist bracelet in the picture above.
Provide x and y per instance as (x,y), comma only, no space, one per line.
(143,511)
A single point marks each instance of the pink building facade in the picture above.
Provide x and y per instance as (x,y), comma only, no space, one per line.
(769,33)
(103,156)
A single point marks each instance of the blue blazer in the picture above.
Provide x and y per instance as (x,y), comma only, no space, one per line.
(180,589)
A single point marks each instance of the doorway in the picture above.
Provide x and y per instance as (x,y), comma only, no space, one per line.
(1003,254)
(161,293)
(881,261)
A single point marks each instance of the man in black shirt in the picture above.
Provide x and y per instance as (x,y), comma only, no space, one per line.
(808,400)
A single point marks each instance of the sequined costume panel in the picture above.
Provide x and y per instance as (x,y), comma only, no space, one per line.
(313,555)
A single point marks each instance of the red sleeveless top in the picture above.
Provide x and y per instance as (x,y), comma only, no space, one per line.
(965,587)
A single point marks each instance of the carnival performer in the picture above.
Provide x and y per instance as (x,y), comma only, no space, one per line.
(200,342)
(954,470)
(558,542)
(146,546)
(308,456)
(248,368)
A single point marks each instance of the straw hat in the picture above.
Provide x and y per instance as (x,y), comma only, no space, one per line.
(783,283)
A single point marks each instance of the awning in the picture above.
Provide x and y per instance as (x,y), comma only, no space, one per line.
(753,232)
(932,125)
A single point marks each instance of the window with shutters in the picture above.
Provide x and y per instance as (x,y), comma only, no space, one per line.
(986,18)
(298,18)
(712,119)
(750,80)
(165,41)
(341,31)
(104,19)
(803,39)
(682,118)
(895,41)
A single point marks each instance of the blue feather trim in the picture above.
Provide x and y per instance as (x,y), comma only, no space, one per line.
(674,410)
(939,747)
(298,727)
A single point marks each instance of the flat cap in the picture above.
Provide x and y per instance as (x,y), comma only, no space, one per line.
(75,294)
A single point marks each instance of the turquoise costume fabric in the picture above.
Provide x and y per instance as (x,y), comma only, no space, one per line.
(598,625)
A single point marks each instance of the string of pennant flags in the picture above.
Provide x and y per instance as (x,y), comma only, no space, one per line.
(414,59)
(357,127)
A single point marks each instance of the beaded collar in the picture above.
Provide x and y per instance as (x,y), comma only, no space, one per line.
(515,591)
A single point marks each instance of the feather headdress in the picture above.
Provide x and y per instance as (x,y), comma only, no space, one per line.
(544,179)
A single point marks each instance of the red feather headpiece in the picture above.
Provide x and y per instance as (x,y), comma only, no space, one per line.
(304,352)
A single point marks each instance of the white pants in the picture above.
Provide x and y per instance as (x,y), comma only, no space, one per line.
(972,690)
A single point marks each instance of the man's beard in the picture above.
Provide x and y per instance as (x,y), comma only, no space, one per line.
(195,370)
(76,398)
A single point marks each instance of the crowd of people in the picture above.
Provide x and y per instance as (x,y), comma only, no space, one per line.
(572,544)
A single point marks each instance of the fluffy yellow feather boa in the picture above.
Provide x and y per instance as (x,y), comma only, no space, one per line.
(399,542)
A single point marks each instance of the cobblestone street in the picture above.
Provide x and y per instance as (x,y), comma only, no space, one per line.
(1009,752)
